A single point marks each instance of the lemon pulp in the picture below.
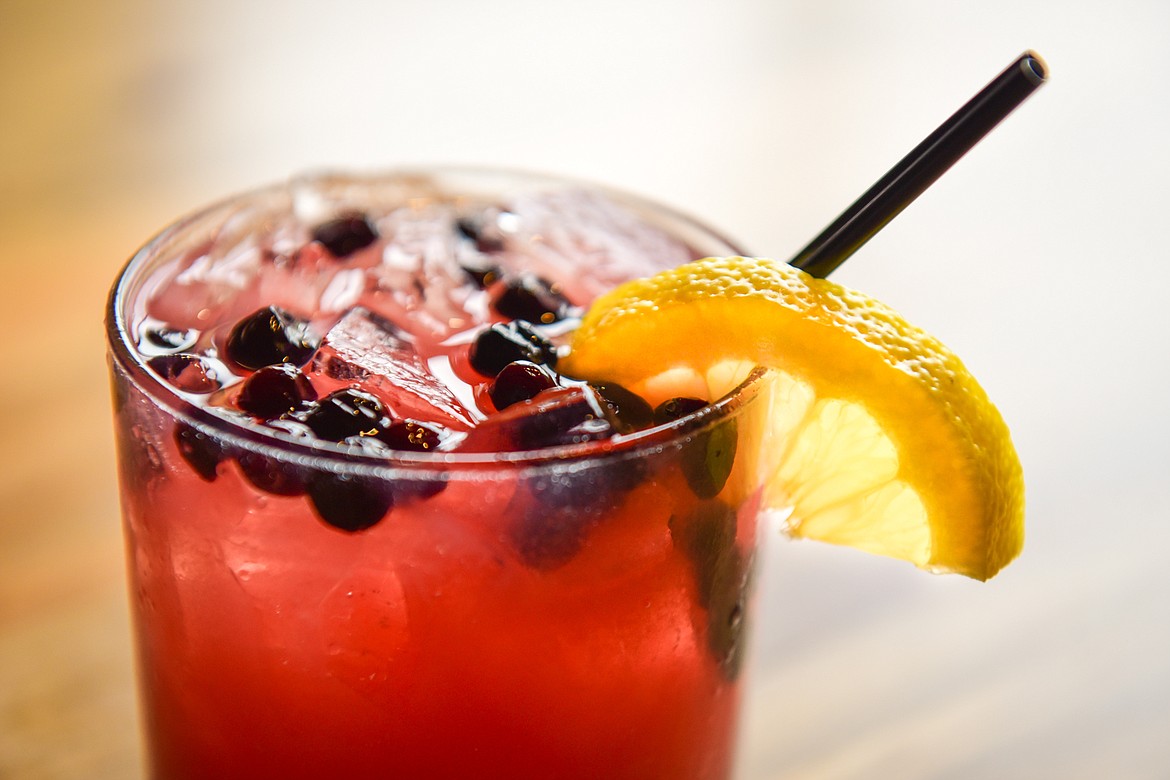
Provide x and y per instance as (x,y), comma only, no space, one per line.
(878,437)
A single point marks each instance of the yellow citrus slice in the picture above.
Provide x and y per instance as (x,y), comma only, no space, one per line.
(878,437)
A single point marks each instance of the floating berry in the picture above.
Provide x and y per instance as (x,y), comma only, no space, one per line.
(201,452)
(270,475)
(188,373)
(707,460)
(347,413)
(270,336)
(507,342)
(403,435)
(722,577)
(290,427)
(484,274)
(411,435)
(479,233)
(627,411)
(566,504)
(676,409)
(349,502)
(275,390)
(564,507)
(415,437)
(519,381)
(163,338)
(529,297)
(367,445)
(345,235)
(545,538)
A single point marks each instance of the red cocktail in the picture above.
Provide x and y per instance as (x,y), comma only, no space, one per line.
(372,532)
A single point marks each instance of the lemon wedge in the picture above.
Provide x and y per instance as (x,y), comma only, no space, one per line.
(877,438)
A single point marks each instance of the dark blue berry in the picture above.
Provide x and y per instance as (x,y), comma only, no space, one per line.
(290,427)
(565,505)
(275,390)
(570,415)
(562,508)
(163,338)
(474,230)
(346,413)
(627,411)
(201,452)
(371,446)
(270,336)
(708,459)
(507,342)
(484,274)
(529,297)
(676,409)
(350,502)
(722,577)
(410,489)
(707,537)
(519,381)
(403,435)
(345,235)
(270,475)
(186,372)
(545,539)
(411,435)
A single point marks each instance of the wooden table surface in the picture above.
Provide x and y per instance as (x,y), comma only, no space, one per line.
(1041,260)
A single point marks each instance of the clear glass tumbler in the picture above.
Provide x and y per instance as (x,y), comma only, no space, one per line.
(312,611)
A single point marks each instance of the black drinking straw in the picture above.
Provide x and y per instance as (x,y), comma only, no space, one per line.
(922,167)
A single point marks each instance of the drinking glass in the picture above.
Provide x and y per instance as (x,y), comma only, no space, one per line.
(306,611)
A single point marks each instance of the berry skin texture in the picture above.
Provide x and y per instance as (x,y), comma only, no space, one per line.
(411,435)
(345,235)
(474,230)
(350,503)
(201,452)
(722,577)
(626,410)
(274,391)
(520,381)
(185,372)
(507,342)
(676,408)
(165,339)
(270,475)
(346,413)
(708,461)
(483,274)
(529,297)
(269,336)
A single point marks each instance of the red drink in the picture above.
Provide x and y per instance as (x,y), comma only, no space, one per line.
(361,548)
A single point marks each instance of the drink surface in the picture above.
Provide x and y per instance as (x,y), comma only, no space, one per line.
(336,573)
(394,304)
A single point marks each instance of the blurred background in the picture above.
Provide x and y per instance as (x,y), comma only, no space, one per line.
(1040,258)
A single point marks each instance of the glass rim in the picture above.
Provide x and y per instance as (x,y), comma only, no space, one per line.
(260,439)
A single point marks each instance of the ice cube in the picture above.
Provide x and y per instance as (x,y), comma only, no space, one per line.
(223,275)
(561,232)
(312,280)
(421,282)
(368,350)
(206,287)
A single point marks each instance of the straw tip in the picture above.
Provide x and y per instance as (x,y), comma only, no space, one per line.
(1033,67)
